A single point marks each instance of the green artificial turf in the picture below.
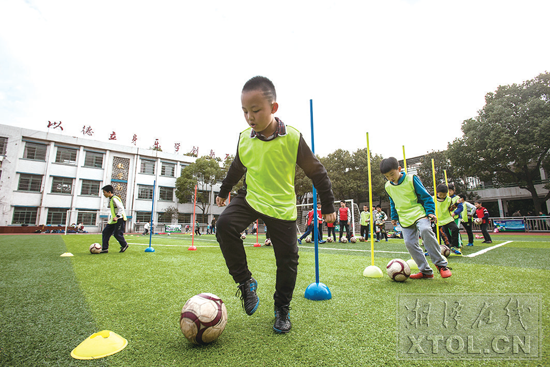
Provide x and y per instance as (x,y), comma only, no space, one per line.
(140,295)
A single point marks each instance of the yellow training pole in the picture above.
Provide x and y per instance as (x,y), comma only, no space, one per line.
(371,271)
(404,160)
(446,182)
(435,201)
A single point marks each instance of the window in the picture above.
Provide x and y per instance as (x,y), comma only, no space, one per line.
(30,182)
(147,167)
(62,185)
(35,151)
(3,145)
(184,218)
(24,216)
(168,169)
(90,187)
(93,159)
(143,216)
(87,218)
(166,193)
(56,216)
(164,218)
(145,192)
(66,155)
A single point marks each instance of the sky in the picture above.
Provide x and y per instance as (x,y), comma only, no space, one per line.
(407,72)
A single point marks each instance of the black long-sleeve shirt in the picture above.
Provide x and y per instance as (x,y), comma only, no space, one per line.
(305,160)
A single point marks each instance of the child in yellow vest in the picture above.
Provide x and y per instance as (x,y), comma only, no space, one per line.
(444,206)
(411,206)
(117,221)
(267,152)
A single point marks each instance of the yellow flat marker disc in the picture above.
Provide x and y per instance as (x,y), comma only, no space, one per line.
(99,345)
(66,254)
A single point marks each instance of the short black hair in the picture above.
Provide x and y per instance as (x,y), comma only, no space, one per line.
(343,201)
(442,188)
(452,186)
(479,202)
(108,188)
(388,164)
(462,196)
(378,206)
(263,84)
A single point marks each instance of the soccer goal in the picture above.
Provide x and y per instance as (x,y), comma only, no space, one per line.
(83,221)
(303,210)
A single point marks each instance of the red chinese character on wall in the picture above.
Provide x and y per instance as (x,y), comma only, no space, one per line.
(226,156)
(87,130)
(112,136)
(55,125)
(212,154)
(177,147)
(134,139)
(157,145)
(195,151)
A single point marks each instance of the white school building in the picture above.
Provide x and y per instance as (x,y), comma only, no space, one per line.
(51,179)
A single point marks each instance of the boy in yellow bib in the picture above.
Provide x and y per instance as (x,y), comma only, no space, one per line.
(117,221)
(267,152)
(411,205)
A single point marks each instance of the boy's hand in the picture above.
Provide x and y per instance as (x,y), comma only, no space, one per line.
(220,201)
(433,218)
(330,218)
(394,222)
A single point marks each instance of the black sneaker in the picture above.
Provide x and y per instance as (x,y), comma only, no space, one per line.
(249,298)
(282,321)
(124,248)
(104,251)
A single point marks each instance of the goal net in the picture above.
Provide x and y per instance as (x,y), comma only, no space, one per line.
(85,221)
(303,210)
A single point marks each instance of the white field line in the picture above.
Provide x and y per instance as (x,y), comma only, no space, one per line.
(310,247)
(349,249)
(487,249)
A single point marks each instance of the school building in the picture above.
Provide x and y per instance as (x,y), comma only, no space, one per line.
(51,179)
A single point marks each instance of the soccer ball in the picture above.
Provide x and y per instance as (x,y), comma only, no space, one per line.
(95,248)
(353,240)
(308,240)
(445,251)
(267,242)
(344,240)
(398,270)
(203,318)
(478,221)
(361,239)
(243,236)
(329,239)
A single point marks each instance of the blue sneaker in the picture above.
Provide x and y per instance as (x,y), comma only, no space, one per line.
(322,241)
(249,298)
(426,254)
(455,252)
(299,241)
(470,244)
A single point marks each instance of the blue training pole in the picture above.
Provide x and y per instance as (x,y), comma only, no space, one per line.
(315,221)
(152,210)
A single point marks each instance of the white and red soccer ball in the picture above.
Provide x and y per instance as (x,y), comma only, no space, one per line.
(445,250)
(398,270)
(243,236)
(344,240)
(267,242)
(203,318)
(361,239)
(308,239)
(95,248)
(329,239)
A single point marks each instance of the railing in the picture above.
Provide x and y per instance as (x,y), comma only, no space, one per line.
(483,186)
(517,224)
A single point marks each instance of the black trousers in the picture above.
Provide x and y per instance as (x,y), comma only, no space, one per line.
(333,231)
(484,231)
(452,228)
(234,219)
(468,227)
(365,232)
(344,223)
(116,230)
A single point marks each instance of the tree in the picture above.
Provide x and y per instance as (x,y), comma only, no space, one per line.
(226,164)
(204,173)
(170,214)
(509,140)
(442,165)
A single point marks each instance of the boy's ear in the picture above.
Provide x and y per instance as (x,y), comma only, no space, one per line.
(274,107)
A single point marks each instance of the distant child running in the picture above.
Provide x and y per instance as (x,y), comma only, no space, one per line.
(411,205)
(117,221)
(267,152)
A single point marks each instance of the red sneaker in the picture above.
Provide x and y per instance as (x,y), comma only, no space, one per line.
(421,276)
(444,271)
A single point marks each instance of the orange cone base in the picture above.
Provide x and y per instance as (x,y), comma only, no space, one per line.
(192,248)
(257,245)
